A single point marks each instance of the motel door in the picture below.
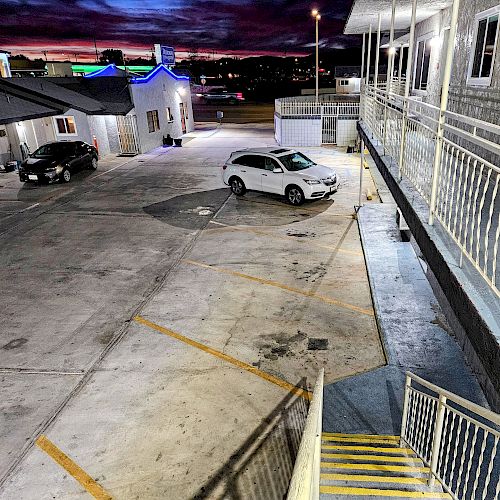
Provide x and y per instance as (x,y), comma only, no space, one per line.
(183,111)
(127,134)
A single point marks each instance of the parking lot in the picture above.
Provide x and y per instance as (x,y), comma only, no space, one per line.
(152,323)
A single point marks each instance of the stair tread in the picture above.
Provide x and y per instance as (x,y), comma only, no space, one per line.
(371,440)
(379,467)
(378,436)
(407,451)
(346,490)
(373,479)
(378,458)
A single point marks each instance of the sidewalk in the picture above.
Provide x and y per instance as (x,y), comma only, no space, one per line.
(414,332)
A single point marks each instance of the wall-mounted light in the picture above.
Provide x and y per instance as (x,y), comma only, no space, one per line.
(181,91)
(434,42)
(392,51)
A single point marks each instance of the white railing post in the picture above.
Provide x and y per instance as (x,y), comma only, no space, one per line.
(368,55)
(377,54)
(436,442)
(402,440)
(361,168)
(363,58)
(444,105)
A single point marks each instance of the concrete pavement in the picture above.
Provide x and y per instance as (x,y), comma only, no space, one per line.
(162,333)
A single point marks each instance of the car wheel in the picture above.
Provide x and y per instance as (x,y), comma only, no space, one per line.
(237,186)
(93,164)
(295,195)
(65,175)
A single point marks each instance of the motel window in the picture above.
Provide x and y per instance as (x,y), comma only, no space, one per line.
(153,121)
(422,63)
(484,47)
(170,117)
(65,125)
(344,83)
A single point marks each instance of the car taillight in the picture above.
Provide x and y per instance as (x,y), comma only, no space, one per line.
(239,95)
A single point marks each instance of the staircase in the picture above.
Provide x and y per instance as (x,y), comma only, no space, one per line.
(451,445)
(361,466)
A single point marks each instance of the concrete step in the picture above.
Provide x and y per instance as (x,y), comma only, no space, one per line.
(364,466)
(370,439)
(393,450)
(343,492)
(345,457)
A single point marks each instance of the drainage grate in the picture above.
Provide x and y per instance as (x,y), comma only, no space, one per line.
(317,344)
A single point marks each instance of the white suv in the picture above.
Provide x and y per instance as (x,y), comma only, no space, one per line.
(280,171)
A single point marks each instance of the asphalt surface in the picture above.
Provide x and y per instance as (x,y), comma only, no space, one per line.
(162,334)
(239,113)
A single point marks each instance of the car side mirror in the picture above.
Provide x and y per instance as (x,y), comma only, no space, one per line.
(277,170)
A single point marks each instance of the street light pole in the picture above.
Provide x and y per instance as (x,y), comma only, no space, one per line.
(317,17)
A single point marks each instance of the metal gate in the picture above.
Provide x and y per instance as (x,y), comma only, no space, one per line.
(329,121)
(127,134)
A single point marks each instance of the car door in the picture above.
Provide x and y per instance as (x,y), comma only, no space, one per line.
(272,182)
(83,155)
(251,167)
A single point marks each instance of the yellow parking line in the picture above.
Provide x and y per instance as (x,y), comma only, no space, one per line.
(306,293)
(236,362)
(283,237)
(94,488)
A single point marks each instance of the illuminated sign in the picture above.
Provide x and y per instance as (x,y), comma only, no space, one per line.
(164,55)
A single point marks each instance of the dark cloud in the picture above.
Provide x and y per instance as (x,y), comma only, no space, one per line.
(222,25)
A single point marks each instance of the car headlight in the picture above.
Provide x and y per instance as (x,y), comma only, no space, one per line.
(59,169)
(312,181)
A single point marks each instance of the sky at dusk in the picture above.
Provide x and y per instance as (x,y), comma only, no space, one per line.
(240,27)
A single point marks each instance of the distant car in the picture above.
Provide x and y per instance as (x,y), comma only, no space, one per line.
(281,171)
(58,161)
(221,96)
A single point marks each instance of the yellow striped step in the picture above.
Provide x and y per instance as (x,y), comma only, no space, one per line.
(376,449)
(374,467)
(363,478)
(376,492)
(360,438)
(376,458)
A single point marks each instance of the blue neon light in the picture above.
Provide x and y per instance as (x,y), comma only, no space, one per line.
(100,71)
(145,79)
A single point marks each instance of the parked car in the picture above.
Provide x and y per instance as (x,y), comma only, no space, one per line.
(221,96)
(280,171)
(58,161)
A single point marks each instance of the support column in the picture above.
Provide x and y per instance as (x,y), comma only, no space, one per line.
(409,64)
(368,55)
(444,106)
(377,54)
(362,72)
(389,70)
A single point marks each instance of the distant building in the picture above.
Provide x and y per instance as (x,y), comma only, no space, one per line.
(4,64)
(121,114)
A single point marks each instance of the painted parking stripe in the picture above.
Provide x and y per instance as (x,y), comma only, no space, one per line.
(94,488)
(283,237)
(236,362)
(306,293)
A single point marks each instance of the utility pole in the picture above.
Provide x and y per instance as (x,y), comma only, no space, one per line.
(95,47)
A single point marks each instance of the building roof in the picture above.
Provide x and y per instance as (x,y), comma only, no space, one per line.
(47,92)
(112,92)
(16,109)
(365,12)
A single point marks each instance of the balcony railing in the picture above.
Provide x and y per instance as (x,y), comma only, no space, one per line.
(466,198)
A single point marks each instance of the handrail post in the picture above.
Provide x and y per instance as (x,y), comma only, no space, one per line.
(402,439)
(436,442)
(444,106)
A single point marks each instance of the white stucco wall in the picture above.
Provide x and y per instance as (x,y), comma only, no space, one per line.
(160,92)
(4,146)
(83,132)
(98,128)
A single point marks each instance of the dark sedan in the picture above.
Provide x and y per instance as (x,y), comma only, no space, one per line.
(58,161)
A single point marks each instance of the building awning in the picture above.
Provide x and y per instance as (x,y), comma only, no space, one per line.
(366,12)
(16,109)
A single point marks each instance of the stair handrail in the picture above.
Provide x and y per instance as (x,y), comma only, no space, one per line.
(304,484)
(457,439)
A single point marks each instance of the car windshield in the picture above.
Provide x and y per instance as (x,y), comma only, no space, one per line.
(51,150)
(296,161)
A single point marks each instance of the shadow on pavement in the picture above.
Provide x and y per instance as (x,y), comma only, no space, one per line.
(262,467)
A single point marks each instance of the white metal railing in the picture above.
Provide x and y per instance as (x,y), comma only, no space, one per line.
(467,201)
(456,439)
(326,105)
(304,484)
